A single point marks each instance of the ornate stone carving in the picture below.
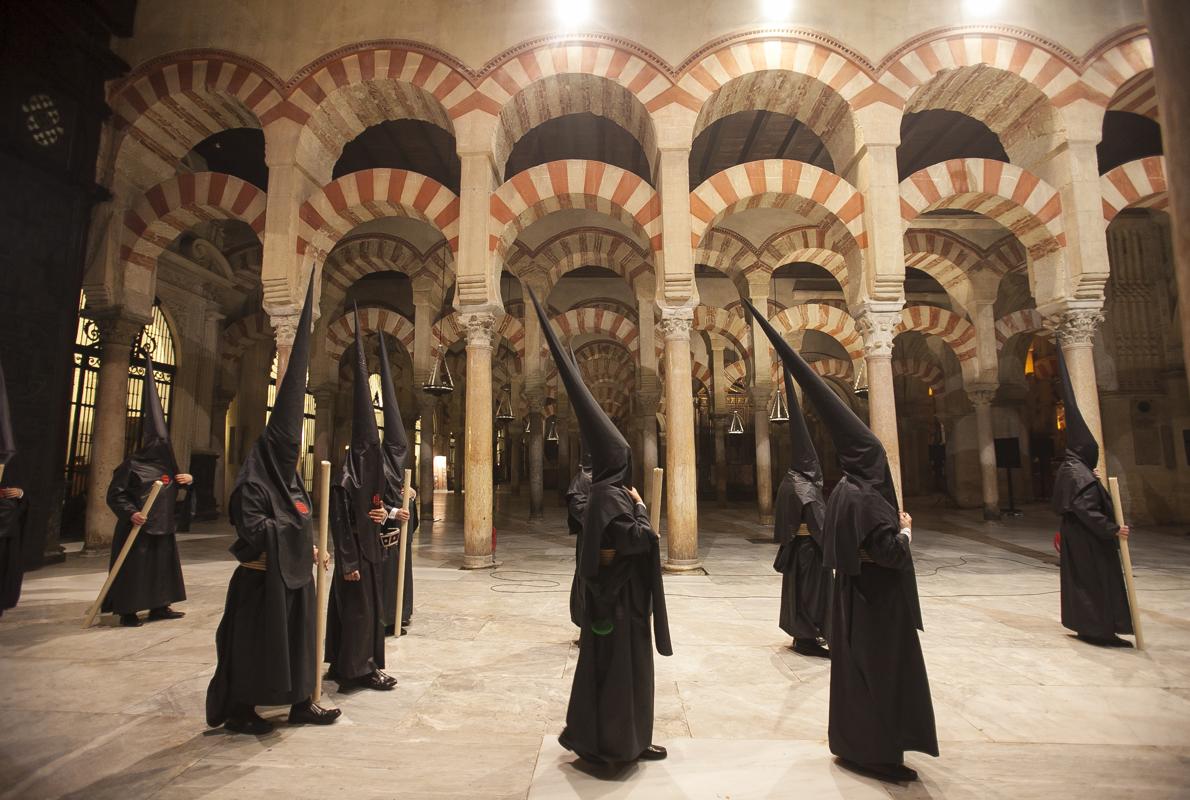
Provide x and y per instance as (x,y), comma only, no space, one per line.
(1075,328)
(981,395)
(480,326)
(118,331)
(676,323)
(284,328)
(877,328)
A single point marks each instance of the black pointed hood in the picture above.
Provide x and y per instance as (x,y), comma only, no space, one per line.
(611,457)
(804,458)
(396,441)
(861,455)
(271,467)
(8,445)
(363,470)
(155,446)
(1080,442)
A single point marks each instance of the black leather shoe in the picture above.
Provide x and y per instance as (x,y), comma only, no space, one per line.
(251,723)
(307,713)
(653,752)
(389,679)
(377,682)
(809,647)
(130,621)
(165,612)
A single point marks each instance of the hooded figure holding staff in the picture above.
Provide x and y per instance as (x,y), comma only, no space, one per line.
(577,495)
(1094,598)
(151,577)
(797,528)
(395,455)
(610,716)
(880,702)
(14,510)
(355,627)
(266,642)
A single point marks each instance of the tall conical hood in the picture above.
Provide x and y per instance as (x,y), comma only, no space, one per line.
(8,444)
(396,441)
(364,455)
(861,455)
(804,459)
(611,457)
(1080,442)
(155,445)
(283,434)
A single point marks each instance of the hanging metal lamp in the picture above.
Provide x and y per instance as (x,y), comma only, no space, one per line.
(780,410)
(439,382)
(504,409)
(861,381)
(551,431)
(737,424)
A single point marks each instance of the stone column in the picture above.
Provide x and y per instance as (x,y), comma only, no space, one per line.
(721,422)
(207,374)
(680,472)
(1075,330)
(324,422)
(284,330)
(876,324)
(427,404)
(648,401)
(720,417)
(516,442)
(981,396)
(116,335)
(218,443)
(764,453)
(563,427)
(536,402)
(477,501)
(1169,29)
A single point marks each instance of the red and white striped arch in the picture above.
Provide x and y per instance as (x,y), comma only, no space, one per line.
(728,324)
(810,244)
(371,194)
(181,202)
(1026,320)
(242,334)
(538,191)
(168,105)
(1020,201)
(355,257)
(944,257)
(768,183)
(1124,73)
(1047,69)
(957,332)
(927,372)
(582,247)
(601,323)
(340,334)
(834,322)
(451,329)
(1137,184)
(727,251)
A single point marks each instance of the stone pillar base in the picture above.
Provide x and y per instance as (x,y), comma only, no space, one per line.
(991,514)
(94,551)
(479,562)
(766,519)
(682,565)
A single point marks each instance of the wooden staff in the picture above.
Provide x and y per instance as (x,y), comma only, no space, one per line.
(1126,563)
(124,551)
(655,499)
(2,466)
(321,582)
(403,546)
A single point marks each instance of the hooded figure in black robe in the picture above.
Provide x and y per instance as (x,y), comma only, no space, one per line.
(14,510)
(1094,598)
(880,702)
(610,715)
(395,452)
(151,577)
(797,528)
(266,639)
(576,508)
(355,629)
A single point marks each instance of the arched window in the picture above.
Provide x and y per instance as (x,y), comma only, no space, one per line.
(307,465)
(155,338)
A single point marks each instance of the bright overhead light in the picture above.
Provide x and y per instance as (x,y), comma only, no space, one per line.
(572,13)
(776,10)
(982,8)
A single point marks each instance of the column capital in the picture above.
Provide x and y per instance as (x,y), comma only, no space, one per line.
(760,394)
(676,323)
(982,394)
(118,331)
(480,325)
(324,394)
(535,399)
(1075,327)
(877,323)
(284,328)
(648,402)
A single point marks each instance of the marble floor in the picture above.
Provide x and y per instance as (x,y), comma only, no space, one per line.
(1023,710)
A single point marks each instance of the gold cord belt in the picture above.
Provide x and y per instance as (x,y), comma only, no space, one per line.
(863,556)
(260,564)
(606,556)
(802,531)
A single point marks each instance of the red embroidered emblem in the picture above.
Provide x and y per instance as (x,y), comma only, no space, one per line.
(301,507)
(165,480)
(375,501)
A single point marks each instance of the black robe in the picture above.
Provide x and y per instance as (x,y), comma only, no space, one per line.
(13,515)
(805,582)
(389,567)
(576,508)
(354,628)
(610,715)
(266,640)
(880,702)
(152,574)
(1094,597)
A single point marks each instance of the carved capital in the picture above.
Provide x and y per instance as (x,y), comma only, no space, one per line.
(648,403)
(676,323)
(118,331)
(284,328)
(1075,328)
(878,329)
(480,326)
(981,395)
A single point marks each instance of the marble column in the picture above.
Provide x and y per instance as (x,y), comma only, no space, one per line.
(681,476)
(876,324)
(564,473)
(427,405)
(721,423)
(1075,330)
(218,444)
(516,444)
(324,422)
(477,501)
(1169,29)
(648,402)
(764,454)
(981,397)
(116,335)
(536,454)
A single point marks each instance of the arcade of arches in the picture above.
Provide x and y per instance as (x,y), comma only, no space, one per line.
(927,220)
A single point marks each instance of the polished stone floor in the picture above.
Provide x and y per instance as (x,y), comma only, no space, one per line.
(1023,710)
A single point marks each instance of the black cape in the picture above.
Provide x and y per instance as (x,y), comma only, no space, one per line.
(805,582)
(1094,597)
(576,508)
(610,715)
(13,517)
(152,574)
(355,629)
(390,563)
